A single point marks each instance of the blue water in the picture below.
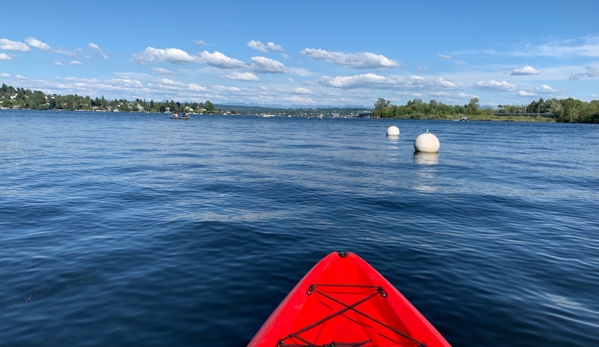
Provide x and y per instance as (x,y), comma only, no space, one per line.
(134,229)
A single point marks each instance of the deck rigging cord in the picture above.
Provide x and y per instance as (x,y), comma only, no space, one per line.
(314,288)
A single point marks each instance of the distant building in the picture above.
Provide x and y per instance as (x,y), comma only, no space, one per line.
(364,115)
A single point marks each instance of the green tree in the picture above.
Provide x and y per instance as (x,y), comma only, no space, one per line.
(472,107)
(381,104)
(209,106)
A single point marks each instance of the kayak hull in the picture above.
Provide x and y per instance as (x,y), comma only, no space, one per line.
(343,301)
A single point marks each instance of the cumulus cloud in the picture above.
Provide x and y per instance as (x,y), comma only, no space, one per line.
(58,63)
(463,95)
(361,60)
(275,48)
(299,99)
(229,89)
(33,42)
(4,56)
(200,42)
(270,46)
(525,93)
(301,90)
(96,48)
(284,55)
(219,60)
(495,85)
(162,71)
(171,55)
(21,77)
(393,82)
(591,72)
(196,87)
(527,70)
(4,74)
(75,62)
(257,45)
(440,93)
(546,89)
(243,76)
(8,45)
(443,56)
(267,65)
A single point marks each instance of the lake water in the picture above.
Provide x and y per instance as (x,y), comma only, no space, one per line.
(134,229)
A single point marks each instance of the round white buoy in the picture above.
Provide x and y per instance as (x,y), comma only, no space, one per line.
(427,143)
(393,131)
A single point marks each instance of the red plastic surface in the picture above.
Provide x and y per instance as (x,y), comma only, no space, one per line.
(302,312)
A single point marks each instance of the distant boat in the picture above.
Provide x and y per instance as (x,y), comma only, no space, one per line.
(185,116)
(268,115)
(464,119)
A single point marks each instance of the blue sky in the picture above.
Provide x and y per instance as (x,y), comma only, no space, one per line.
(304,53)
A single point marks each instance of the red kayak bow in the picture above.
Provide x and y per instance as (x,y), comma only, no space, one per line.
(345,302)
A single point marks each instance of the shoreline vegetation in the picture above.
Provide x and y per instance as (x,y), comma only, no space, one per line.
(553,110)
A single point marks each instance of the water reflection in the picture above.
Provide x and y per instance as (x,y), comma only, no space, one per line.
(426,158)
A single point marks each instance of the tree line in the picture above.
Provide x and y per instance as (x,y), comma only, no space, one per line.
(21,98)
(565,110)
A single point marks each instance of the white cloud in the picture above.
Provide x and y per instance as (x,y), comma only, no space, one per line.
(96,48)
(58,63)
(63,52)
(200,42)
(171,82)
(440,93)
(290,80)
(463,95)
(267,65)
(299,99)
(301,90)
(162,71)
(21,77)
(423,68)
(171,55)
(495,85)
(361,60)
(265,48)
(243,76)
(410,83)
(4,74)
(525,93)
(75,62)
(33,42)
(546,89)
(220,60)
(8,45)
(257,45)
(591,72)
(275,48)
(443,56)
(196,87)
(527,70)
(229,89)
(284,55)
(4,56)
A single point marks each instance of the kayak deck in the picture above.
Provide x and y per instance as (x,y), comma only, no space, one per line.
(345,302)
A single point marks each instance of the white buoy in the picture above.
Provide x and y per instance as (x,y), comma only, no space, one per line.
(427,143)
(393,131)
